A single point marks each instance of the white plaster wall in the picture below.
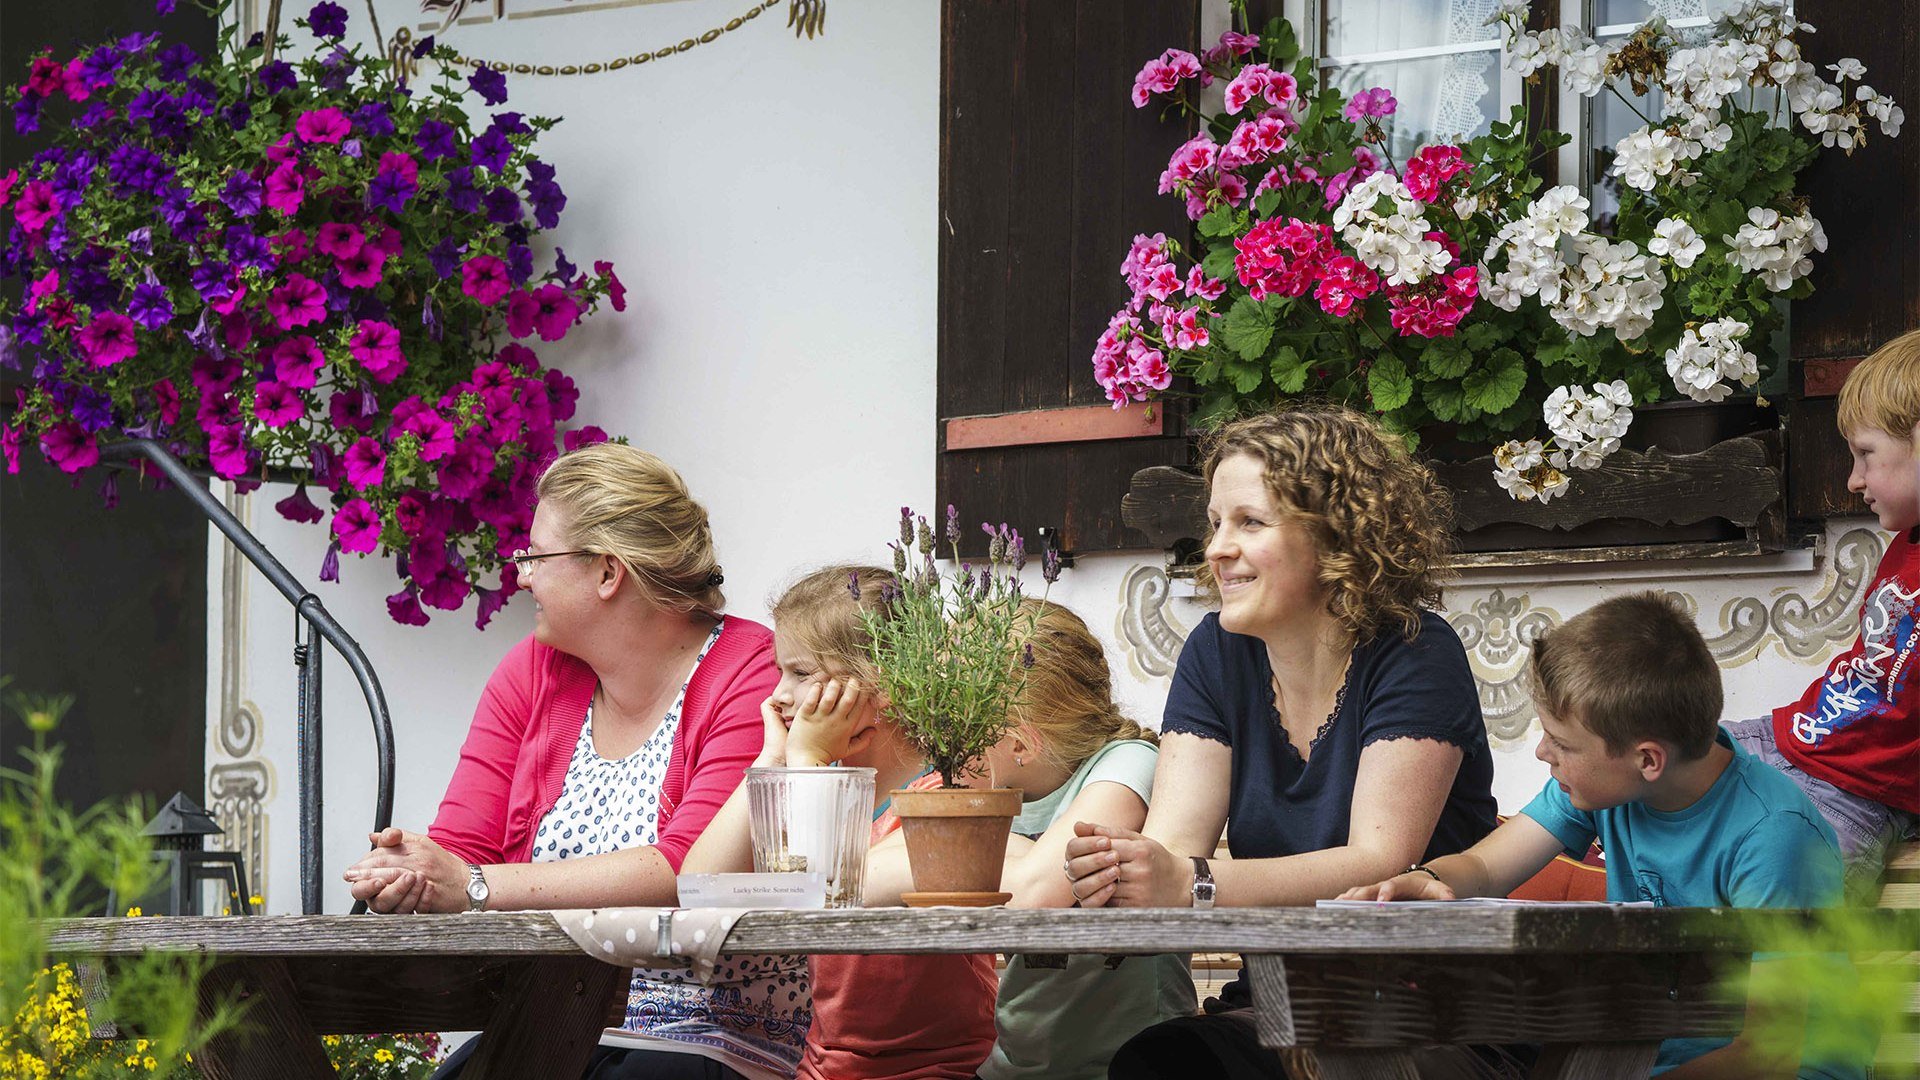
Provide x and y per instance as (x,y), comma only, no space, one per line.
(772,207)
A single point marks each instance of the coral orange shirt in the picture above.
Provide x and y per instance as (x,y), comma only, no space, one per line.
(893,1017)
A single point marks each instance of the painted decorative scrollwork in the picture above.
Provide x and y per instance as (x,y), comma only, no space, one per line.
(1148,636)
(1497,631)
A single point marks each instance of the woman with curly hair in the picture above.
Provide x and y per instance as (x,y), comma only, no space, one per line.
(1325,716)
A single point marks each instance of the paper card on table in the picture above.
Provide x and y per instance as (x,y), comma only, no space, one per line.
(793,890)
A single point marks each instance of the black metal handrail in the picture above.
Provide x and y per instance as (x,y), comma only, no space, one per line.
(308,610)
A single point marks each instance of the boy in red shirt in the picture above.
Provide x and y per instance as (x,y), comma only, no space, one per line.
(1852,740)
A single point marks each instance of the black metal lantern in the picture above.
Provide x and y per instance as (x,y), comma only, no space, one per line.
(179,834)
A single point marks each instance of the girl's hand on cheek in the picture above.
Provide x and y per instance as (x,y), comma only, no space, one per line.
(773,743)
(828,722)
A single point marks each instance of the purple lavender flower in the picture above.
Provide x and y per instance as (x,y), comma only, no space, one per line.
(853,584)
(953,524)
(1017,552)
(503,206)
(327,20)
(150,305)
(1026,656)
(1050,565)
(489,84)
(243,194)
(435,140)
(491,150)
(278,77)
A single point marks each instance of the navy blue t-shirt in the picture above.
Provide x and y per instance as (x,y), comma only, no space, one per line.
(1279,805)
(1223,690)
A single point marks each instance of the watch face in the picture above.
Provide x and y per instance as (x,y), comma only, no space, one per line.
(477,890)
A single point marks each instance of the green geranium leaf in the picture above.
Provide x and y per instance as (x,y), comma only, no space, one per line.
(1219,262)
(1497,384)
(1218,221)
(1289,370)
(1389,384)
(1248,328)
(1245,375)
(1445,358)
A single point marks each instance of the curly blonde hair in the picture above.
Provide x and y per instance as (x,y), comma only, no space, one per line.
(1380,523)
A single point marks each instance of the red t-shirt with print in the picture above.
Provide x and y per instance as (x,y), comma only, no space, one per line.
(1858,726)
(900,1017)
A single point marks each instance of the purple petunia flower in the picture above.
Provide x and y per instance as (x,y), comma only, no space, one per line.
(335,68)
(278,77)
(327,20)
(391,189)
(491,150)
(107,340)
(445,257)
(150,306)
(98,67)
(509,123)
(519,263)
(92,409)
(460,193)
(352,148)
(422,47)
(503,206)
(489,84)
(330,563)
(239,114)
(163,7)
(210,281)
(435,140)
(403,607)
(243,194)
(140,240)
(548,200)
(297,507)
(373,118)
(177,63)
(26,113)
(248,249)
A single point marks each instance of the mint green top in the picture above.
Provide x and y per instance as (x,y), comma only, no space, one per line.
(1064,1016)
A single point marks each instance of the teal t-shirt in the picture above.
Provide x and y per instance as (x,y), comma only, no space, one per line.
(1064,1016)
(1754,840)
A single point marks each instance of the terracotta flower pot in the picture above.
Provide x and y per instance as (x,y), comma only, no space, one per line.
(956,843)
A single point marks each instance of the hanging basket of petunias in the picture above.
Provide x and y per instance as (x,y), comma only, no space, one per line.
(303,268)
(1450,288)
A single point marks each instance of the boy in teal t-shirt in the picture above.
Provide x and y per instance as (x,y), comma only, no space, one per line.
(1630,700)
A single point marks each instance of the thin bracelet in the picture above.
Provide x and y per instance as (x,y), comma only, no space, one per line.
(1422,868)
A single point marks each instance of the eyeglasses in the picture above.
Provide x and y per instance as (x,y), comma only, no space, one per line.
(526,556)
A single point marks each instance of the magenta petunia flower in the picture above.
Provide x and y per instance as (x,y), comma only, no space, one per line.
(227,451)
(357,524)
(297,507)
(328,125)
(107,340)
(286,188)
(339,240)
(484,278)
(366,463)
(298,302)
(586,436)
(7,181)
(10,448)
(276,406)
(363,268)
(466,470)
(69,447)
(166,402)
(297,362)
(446,591)
(404,607)
(616,290)
(550,309)
(377,346)
(38,205)
(490,602)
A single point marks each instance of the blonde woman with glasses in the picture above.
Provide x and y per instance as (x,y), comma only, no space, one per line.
(602,746)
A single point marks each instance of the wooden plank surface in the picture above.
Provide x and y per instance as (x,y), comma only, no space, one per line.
(1081,423)
(568,996)
(1386,929)
(274,1037)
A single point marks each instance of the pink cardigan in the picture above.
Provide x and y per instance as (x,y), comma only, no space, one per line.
(515,759)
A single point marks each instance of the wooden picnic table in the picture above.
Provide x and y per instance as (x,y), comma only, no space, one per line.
(1601,986)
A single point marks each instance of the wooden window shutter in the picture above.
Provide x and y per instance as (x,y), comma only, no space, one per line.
(1046,173)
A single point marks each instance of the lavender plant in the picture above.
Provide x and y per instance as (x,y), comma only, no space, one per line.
(951,647)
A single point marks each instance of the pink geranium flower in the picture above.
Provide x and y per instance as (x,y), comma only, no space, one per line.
(484,278)
(366,463)
(108,339)
(339,240)
(276,405)
(297,362)
(377,346)
(1430,169)
(1204,287)
(1375,103)
(286,188)
(550,309)
(297,303)
(328,125)
(68,446)
(357,525)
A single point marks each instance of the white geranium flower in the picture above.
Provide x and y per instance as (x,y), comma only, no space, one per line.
(1677,240)
(1848,68)
(1643,157)
(1706,357)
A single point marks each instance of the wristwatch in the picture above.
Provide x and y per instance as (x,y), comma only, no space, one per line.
(1202,883)
(476,889)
